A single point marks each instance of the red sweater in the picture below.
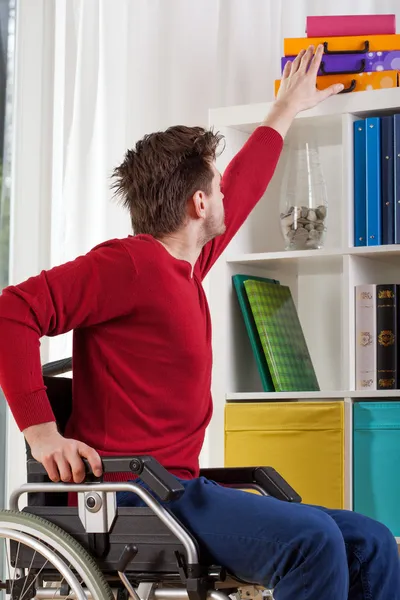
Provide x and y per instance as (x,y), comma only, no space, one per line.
(142,333)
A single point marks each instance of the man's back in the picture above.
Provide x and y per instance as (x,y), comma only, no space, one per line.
(142,380)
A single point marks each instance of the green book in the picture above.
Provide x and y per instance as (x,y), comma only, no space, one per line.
(252,332)
(281,336)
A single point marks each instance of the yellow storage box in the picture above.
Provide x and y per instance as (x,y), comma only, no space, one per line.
(356,83)
(349,44)
(304,441)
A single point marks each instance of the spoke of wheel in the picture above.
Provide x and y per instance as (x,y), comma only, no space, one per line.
(8,558)
(60,584)
(16,567)
(58,588)
(33,581)
(29,570)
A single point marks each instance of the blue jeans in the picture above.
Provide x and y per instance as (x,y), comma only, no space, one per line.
(302,552)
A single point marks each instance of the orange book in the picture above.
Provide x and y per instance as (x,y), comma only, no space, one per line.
(350,44)
(356,83)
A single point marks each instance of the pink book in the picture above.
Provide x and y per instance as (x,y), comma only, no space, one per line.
(347,25)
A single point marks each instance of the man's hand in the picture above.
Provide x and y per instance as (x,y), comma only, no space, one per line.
(298,85)
(61,457)
(298,90)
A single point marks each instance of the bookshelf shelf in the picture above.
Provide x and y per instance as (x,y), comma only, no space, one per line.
(265,258)
(324,395)
(322,281)
(246,117)
(379,252)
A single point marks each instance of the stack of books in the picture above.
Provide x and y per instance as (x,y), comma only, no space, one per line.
(377,181)
(360,51)
(275,334)
(377,322)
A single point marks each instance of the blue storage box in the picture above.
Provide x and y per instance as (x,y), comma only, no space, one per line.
(376,461)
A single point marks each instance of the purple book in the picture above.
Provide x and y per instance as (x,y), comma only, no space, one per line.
(332,64)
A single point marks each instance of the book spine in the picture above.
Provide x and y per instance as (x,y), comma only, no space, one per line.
(365,343)
(360,207)
(335,25)
(373,184)
(387,179)
(386,337)
(396,127)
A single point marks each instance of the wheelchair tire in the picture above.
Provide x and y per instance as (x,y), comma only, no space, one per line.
(64,544)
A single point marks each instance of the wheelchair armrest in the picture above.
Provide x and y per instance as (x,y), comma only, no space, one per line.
(165,485)
(266,477)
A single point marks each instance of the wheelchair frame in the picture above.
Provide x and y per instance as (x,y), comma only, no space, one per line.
(157,561)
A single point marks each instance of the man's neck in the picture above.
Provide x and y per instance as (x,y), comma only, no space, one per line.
(180,246)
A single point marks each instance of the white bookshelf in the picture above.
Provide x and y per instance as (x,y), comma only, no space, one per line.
(322,281)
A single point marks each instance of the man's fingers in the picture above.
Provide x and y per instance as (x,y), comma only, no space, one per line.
(51,468)
(305,61)
(316,61)
(286,70)
(63,468)
(331,90)
(93,458)
(77,466)
(66,464)
(296,62)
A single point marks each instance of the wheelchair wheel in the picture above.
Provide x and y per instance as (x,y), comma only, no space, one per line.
(44,562)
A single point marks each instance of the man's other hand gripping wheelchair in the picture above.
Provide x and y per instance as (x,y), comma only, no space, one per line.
(98,551)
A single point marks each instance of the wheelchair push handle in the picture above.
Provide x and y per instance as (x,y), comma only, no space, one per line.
(165,485)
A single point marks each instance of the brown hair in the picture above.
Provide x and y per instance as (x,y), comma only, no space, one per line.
(158,176)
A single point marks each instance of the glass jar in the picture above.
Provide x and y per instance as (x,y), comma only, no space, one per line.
(303,202)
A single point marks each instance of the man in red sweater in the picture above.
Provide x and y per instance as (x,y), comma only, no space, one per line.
(142,358)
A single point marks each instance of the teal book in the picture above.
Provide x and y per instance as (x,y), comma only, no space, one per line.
(282,337)
(256,346)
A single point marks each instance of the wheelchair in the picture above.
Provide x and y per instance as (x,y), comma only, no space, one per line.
(99,551)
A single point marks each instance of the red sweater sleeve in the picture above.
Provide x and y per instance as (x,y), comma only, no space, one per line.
(244,182)
(86,291)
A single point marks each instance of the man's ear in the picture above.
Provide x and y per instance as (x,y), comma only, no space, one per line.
(199,204)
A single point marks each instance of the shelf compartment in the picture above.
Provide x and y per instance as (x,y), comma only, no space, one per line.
(262,231)
(317,293)
(287,436)
(317,396)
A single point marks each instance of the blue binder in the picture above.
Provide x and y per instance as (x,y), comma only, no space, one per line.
(387,179)
(396,127)
(360,206)
(373,184)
